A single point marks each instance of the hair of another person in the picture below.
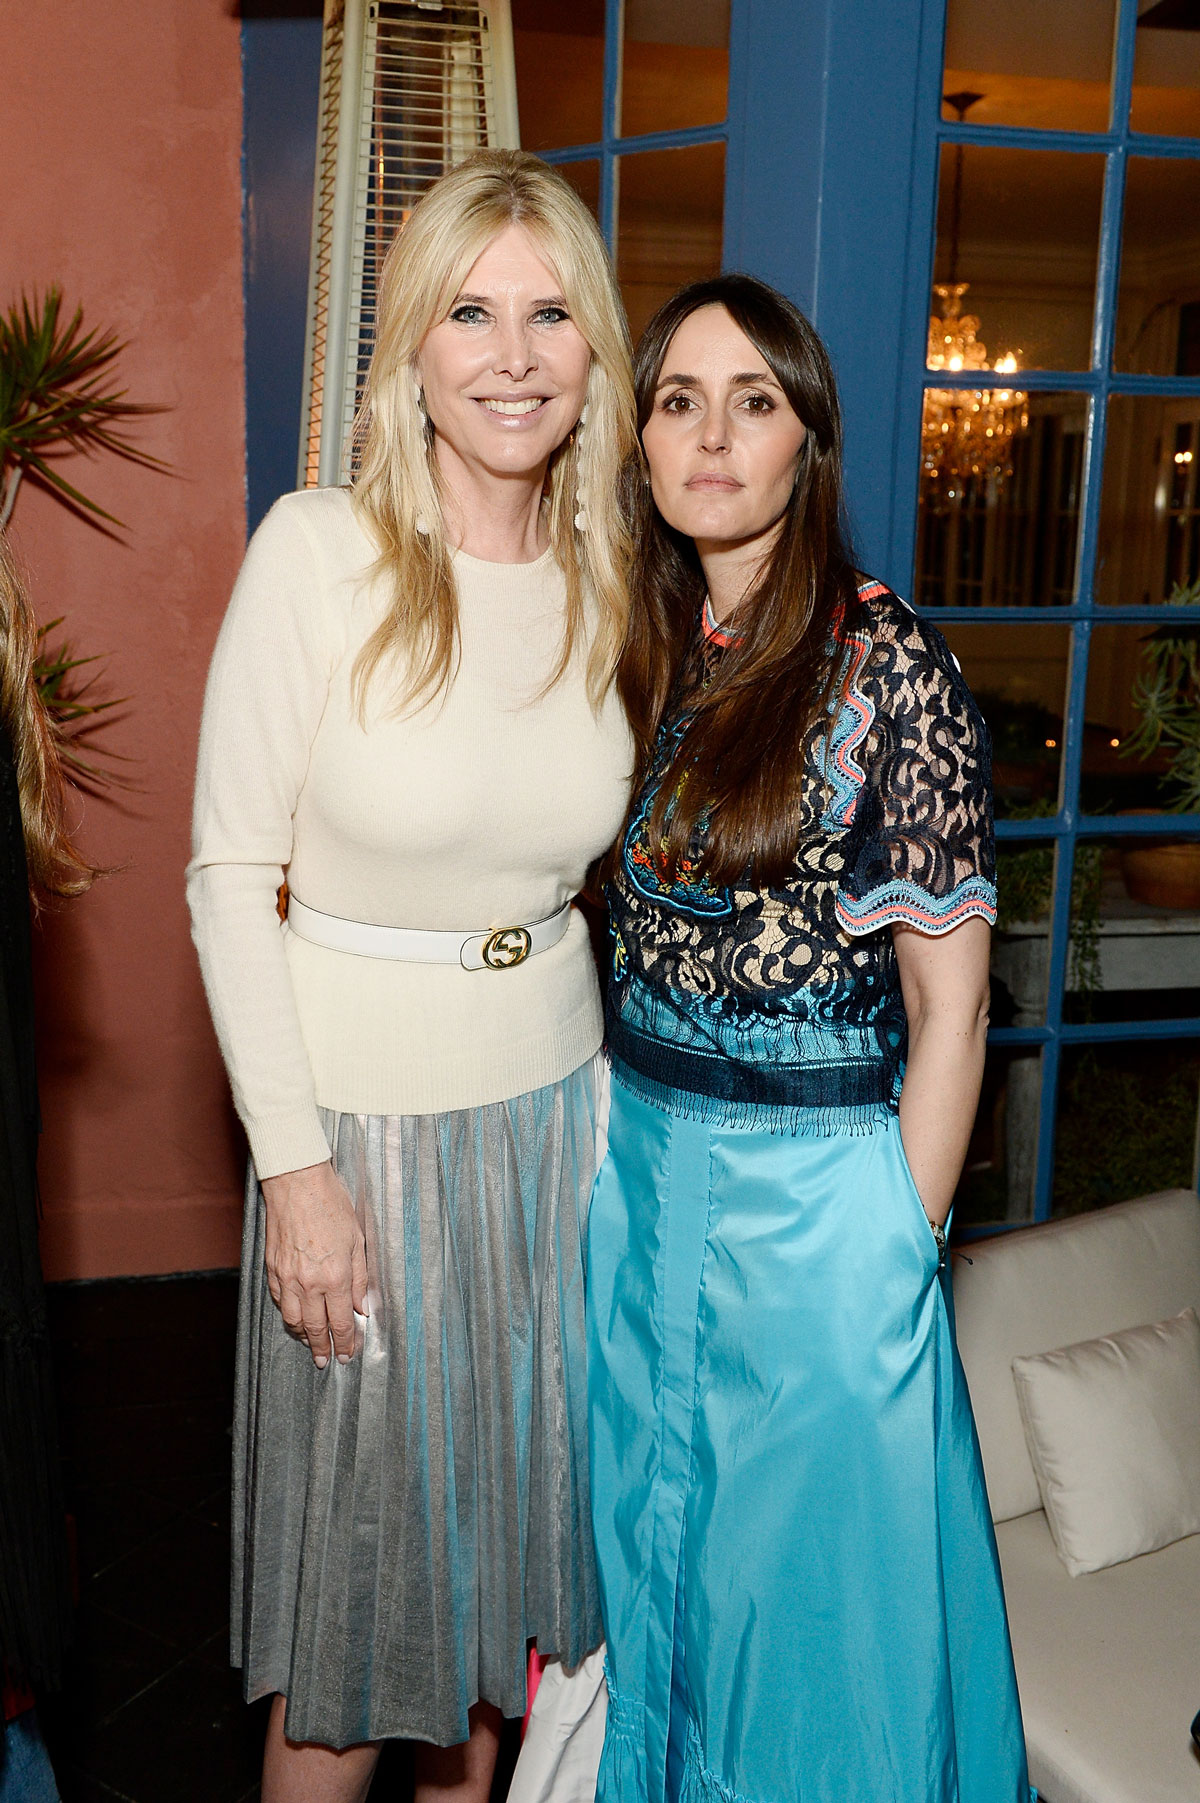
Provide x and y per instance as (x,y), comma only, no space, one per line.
(55,866)
(737,771)
(397,489)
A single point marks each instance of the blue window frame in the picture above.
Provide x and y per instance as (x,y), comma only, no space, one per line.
(611,146)
(1070,824)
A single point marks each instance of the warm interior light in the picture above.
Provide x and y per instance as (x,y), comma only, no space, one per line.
(967,432)
(1114,743)
(1051,744)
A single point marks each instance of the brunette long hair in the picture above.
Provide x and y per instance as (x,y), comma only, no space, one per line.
(55,866)
(739,764)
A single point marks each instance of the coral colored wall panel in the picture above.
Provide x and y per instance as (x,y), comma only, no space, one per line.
(120,142)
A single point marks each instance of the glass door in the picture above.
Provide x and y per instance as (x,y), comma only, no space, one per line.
(630,100)
(1058,547)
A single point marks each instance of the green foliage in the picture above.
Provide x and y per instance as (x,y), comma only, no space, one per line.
(74,708)
(1019,729)
(1025,883)
(1126,1126)
(1166,699)
(55,396)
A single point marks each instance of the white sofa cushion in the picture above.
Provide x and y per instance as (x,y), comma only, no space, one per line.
(1050,1286)
(1113,1431)
(1109,1669)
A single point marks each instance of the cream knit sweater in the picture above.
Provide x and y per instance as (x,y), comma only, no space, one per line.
(482,810)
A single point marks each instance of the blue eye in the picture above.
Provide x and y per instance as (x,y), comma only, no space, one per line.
(469,314)
(551,315)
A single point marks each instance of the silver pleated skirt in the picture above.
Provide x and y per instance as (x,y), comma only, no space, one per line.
(404,1524)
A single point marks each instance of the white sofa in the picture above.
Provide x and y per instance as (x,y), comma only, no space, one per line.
(1109,1662)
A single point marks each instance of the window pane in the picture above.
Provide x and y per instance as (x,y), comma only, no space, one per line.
(560,72)
(1142,745)
(1166,72)
(1150,501)
(1018,675)
(1158,319)
(1007,538)
(1021,229)
(585,179)
(675,64)
(1126,1122)
(997,1180)
(1137,937)
(1029,63)
(1020,944)
(669,228)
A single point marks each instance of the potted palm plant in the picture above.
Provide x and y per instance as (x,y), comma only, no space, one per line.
(1166,700)
(56,397)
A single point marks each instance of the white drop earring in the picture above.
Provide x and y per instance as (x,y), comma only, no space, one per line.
(580,497)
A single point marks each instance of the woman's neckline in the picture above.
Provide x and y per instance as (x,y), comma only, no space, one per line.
(492,564)
(722,636)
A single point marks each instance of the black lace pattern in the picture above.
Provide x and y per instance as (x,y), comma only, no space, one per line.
(782,1005)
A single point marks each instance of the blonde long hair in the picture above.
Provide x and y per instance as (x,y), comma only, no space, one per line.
(398,485)
(55,866)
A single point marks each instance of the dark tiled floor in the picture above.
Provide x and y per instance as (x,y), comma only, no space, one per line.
(151,1712)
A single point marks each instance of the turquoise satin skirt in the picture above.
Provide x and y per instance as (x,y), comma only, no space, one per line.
(798,1573)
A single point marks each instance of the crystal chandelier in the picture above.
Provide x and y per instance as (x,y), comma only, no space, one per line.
(966,432)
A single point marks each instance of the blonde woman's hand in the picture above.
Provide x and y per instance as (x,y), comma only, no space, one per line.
(316,1259)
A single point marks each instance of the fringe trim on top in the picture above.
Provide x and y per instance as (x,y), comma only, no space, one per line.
(788,1121)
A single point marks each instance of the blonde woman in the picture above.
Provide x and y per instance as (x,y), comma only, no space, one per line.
(410,716)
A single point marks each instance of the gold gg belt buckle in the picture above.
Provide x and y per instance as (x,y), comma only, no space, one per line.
(506,948)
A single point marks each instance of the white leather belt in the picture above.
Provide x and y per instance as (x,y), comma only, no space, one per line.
(501,948)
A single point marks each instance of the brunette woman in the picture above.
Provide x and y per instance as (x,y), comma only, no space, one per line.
(799,1579)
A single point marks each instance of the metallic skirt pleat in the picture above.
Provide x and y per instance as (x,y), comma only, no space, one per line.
(405,1523)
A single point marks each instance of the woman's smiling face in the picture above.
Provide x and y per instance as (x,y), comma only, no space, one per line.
(505,373)
(722,442)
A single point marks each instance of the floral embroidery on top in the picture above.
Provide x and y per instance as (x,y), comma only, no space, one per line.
(782,1006)
(689,889)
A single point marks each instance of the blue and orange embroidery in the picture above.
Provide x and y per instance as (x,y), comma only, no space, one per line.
(689,889)
(716,634)
(902,903)
(855,717)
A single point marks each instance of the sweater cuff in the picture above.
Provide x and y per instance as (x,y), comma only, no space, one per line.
(286,1142)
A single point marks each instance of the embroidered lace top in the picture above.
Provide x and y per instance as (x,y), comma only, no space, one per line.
(781,1007)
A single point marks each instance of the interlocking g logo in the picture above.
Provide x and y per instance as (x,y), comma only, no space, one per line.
(505,948)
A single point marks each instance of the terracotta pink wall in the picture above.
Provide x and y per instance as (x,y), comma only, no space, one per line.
(120,140)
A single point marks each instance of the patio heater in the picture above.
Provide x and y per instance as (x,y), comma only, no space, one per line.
(408,88)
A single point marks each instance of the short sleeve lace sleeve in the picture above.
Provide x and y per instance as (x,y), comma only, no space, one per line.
(920,849)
